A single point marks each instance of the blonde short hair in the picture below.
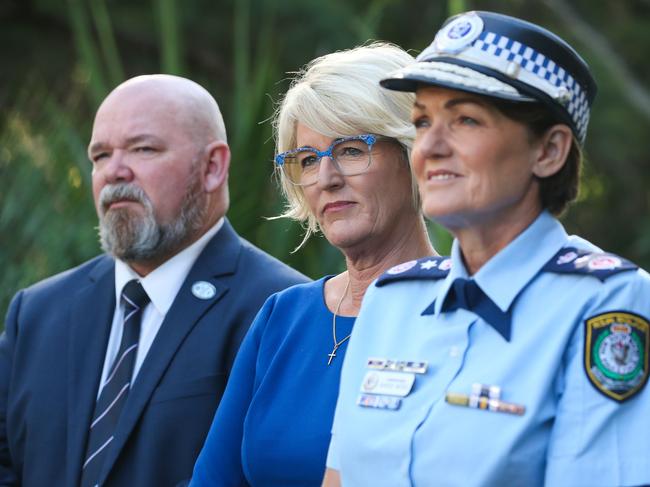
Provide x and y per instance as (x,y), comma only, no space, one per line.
(339,95)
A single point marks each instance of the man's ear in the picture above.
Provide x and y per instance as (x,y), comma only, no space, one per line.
(218,163)
(553,150)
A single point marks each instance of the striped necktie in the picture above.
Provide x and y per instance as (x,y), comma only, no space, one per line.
(116,387)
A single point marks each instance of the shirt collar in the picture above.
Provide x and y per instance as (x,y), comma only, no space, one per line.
(504,276)
(162,284)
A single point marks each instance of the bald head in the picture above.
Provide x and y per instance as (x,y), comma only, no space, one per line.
(192,106)
(159,146)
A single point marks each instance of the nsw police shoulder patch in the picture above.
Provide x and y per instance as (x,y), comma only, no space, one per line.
(616,353)
(570,260)
(421,269)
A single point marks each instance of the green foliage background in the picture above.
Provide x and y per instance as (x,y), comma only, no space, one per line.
(61,58)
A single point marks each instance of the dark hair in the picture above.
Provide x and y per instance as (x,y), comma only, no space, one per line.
(560,189)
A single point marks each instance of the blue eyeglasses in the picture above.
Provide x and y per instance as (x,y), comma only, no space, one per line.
(350,156)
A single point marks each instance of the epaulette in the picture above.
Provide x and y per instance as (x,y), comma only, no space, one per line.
(570,260)
(421,269)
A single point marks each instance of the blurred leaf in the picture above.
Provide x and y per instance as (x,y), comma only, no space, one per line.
(107,40)
(457,6)
(87,49)
(170,39)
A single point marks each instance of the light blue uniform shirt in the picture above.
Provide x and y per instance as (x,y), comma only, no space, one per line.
(571,434)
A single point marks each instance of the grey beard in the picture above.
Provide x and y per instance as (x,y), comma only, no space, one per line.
(136,238)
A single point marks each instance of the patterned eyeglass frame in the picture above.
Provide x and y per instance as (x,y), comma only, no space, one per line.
(369,139)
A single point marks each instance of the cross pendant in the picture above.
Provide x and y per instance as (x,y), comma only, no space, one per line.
(331,356)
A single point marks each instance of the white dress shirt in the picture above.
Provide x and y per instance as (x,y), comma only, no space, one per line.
(161,285)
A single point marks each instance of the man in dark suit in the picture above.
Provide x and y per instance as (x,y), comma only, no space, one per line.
(110,372)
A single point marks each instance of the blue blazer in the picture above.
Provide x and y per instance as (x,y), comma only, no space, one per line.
(52,353)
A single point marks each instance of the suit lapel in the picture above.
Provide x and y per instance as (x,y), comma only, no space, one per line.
(91,315)
(219,258)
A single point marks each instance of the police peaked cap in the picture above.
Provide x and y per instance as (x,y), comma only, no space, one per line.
(504,57)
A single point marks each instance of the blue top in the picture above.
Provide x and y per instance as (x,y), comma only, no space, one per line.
(272,427)
(571,360)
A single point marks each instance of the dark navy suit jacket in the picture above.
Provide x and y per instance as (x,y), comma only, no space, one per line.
(52,353)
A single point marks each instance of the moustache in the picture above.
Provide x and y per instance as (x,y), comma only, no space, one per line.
(112,193)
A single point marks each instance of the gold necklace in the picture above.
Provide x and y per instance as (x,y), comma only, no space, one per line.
(337,344)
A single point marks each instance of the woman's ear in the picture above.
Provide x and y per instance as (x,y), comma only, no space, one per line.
(216,171)
(554,147)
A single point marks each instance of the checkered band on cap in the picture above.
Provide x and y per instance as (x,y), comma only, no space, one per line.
(508,58)
(569,93)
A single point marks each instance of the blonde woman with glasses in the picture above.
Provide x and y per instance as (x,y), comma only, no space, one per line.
(343,160)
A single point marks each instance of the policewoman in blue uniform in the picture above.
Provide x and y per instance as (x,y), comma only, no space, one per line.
(522,359)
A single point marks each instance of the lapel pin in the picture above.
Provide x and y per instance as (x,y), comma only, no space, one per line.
(203,290)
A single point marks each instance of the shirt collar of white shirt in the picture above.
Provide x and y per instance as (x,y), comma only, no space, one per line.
(163,283)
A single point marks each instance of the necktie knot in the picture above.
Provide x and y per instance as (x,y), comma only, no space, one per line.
(466,294)
(135,295)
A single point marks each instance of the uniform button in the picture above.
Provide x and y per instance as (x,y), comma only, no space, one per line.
(454,351)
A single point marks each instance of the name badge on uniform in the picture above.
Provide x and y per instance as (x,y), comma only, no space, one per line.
(384,382)
(414,366)
(379,402)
